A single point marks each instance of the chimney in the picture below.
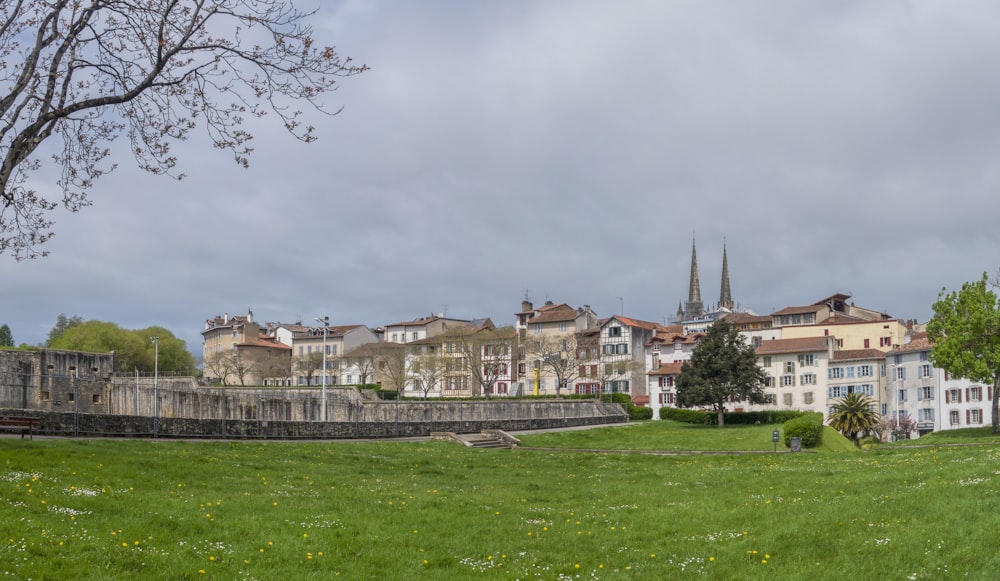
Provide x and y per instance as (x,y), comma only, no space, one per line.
(526,306)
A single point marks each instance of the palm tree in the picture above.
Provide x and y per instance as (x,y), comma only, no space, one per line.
(853,416)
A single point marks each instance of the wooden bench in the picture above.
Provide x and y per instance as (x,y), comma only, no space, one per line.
(23,424)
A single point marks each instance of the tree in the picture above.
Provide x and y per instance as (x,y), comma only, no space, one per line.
(361,359)
(77,75)
(854,416)
(62,323)
(428,369)
(965,332)
(488,355)
(6,338)
(722,367)
(133,348)
(309,364)
(556,355)
(393,365)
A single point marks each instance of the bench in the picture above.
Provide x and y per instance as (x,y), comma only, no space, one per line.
(23,424)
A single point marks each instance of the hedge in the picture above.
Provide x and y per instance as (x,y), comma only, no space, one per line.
(702,417)
(809,427)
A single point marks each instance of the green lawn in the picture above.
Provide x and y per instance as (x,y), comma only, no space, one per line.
(136,509)
(676,436)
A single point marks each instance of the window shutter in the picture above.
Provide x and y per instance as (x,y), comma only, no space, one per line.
(967,395)
(947,397)
(960,396)
(989,393)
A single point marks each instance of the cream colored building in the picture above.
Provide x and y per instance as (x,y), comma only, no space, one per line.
(552,350)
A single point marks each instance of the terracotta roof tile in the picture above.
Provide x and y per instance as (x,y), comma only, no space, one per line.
(671,368)
(857,354)
(798,345)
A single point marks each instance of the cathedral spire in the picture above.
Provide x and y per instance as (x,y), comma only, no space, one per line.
(725,295)
(694,286)
(694,308)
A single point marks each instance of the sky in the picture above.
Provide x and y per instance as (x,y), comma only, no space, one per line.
(567,150)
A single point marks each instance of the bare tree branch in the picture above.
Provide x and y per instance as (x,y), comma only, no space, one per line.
(85,71)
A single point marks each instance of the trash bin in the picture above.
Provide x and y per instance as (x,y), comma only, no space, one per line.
(796,444)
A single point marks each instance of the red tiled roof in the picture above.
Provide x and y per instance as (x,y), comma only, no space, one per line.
(798,345)
(918,342)
(639,324)
(671,368)
(857,354)
(799,310)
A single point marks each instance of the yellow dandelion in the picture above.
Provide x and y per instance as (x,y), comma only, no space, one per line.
(711,558)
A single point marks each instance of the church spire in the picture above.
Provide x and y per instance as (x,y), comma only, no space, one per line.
(694,308)
(725,295)
(694,286)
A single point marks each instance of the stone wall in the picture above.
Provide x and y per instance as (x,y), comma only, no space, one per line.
(83,424)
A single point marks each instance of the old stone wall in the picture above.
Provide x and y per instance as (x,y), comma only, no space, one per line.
(84,424)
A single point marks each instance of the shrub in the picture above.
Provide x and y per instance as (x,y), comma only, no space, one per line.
(639,413)
(686,416)
(808,426)
(765,417)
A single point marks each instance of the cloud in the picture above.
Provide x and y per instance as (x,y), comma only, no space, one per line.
(570,150)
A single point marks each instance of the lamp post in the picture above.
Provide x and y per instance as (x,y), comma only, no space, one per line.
(326,327)
(156,375)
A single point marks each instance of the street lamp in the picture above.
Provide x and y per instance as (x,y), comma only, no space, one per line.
(156,374)
(326,327)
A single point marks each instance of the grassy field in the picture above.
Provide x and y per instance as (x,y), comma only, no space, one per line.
(135,509)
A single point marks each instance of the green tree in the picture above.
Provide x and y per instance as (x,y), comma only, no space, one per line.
(722,367)
(6,339)
(133,348)
(77,75)
(62,323)
(965,332)
(854,416)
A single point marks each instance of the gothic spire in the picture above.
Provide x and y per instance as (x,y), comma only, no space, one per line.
(725,295)
(693,307)
(694,286)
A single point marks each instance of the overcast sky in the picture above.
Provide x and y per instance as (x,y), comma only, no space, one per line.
(569,150)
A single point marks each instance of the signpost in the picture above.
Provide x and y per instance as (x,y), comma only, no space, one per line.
(774,438)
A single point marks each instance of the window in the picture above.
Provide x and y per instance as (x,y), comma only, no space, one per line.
(614,331)
(953,396)
(807,359)
(787,380)
(301,350)
(309,349)
(849,371)
(666,381)
(414,336)
(885,408)
(885,342)
(953,417)
(789,367)
(866,371)
(975,417)
(807,397)
(867,344)
(395,337)
(535,328)
(666,398)
(925,415)
(808,379)
(925,393)
(902,395)
(900,373)
(897,359)
(923,355)
(835,373)
(924,370)
(836,391)
(768,381)
(765,361)
(564,326)
(975,393)
(71,396)
(786,398)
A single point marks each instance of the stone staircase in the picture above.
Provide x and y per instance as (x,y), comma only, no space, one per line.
(497,439)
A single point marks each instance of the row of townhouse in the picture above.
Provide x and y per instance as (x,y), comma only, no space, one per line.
(813,355)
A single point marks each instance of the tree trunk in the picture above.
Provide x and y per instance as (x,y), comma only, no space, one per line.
(722,415)
(996,399)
